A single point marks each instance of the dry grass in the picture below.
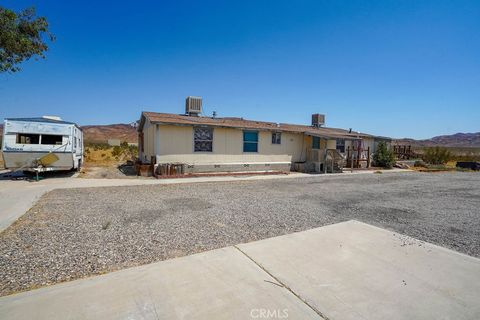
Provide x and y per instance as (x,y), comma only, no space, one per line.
(102,157)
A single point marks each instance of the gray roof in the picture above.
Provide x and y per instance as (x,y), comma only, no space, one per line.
(41,119)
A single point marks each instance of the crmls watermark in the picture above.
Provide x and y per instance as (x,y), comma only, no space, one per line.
(261,313)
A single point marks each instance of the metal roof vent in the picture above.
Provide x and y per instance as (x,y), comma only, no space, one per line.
(193,106)
(318,120)
(56,118)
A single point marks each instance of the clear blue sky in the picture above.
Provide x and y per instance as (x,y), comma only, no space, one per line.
(396,68)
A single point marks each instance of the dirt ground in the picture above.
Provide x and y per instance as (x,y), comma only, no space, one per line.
(111,171)
(102,164)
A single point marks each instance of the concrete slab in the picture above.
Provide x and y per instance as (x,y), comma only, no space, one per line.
(356,271)
(219,284)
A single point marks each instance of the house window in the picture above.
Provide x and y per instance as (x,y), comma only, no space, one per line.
(276,138)
(250,141)
(341,145)
(203,139)
(315,143)
(28,138)
(52,139)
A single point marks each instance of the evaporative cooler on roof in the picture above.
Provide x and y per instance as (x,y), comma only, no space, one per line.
(193,106)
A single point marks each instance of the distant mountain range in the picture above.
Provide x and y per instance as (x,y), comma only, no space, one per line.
(127,132)
(101,133)
(452,140)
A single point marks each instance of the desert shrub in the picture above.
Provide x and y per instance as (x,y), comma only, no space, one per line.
(468,156)
(125,151)
(133,150)
(384,157)
(437,155)
(419,163)
(117,151)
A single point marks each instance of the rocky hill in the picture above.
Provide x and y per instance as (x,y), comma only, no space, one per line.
(101,133)
(454,140)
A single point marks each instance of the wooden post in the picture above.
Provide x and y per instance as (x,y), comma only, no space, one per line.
(348,155)
(358,157)
(368,157)
(325,157)
(351,161)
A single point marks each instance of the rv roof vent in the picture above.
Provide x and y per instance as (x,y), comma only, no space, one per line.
(318,120)
(57,118)
(193,106)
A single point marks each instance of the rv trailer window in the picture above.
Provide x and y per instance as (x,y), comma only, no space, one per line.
(28,138)
(203,139)
(51,139)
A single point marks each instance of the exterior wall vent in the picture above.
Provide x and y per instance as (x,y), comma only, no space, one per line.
(318,120)
(193,106)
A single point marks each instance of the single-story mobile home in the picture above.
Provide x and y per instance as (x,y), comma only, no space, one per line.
(227,144)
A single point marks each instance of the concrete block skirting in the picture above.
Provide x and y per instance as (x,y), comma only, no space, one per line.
(237,167)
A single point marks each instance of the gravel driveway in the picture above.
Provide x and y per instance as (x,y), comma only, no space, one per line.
(73,233)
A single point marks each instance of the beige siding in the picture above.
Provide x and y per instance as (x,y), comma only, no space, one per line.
(332,144)
(227,141)
(175,139)
(176,144)
(149,140)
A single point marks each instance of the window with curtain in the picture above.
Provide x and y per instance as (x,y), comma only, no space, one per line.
(341,145)
(203,139)
(276,138)
(250,141)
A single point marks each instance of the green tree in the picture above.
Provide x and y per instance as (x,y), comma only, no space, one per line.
(383,157)
(22,36)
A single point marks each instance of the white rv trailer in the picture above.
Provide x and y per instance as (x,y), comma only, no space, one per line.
(27,140)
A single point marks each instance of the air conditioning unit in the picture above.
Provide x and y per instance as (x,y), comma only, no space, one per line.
(318,120)
(193,106)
